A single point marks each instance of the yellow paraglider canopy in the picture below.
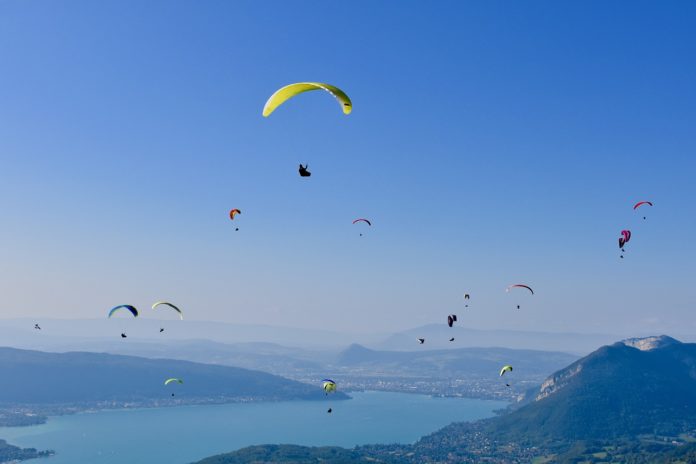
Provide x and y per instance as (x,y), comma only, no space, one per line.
(289,91)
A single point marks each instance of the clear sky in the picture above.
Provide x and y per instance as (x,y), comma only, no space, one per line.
(490,143)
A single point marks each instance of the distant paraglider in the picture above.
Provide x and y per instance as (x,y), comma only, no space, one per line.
(366,221)
(36,327)
(505,369)
(233,213)
(421,340)
(303,171)
(451,319)
(329,386)
(466,298)
(173,380)
(623,240)
(283,94)
(451,339)
(510,287)
(641,203)
(127,308)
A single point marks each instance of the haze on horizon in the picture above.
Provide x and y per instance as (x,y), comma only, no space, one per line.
(489,144)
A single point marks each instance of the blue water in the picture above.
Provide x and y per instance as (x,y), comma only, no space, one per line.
(185,434)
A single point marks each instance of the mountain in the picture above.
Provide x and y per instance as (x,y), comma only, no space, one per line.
(626,389)
(437,337)
(629,402)
(56,333)
(65,334)
(461,362)
(38,378)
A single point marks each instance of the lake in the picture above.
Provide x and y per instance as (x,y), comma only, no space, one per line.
(180,435)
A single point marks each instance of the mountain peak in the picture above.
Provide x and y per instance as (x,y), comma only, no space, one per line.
(650,343)
(355,353)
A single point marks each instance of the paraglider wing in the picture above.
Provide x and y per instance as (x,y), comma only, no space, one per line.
(173,379)
(520,286)
(362,220)
(641,203)
(285,93)
(421,340)
(234,212)
(450,321)
(329,385)
(622,242)
(466,296)
(165,303)
(130,308)
(626,235)
(505,369)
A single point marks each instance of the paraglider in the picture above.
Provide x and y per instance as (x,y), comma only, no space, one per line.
(173,380)
(165,303)
(505,369)
(451,339)
(366,221)
(329,411)
(421,340)
(466,298)
(233,213)
(303,171)
(623,240)
(510,287)
(161,329)
(641,203)
(129,308)
(289,91)
(329,386)
(451,319)
(36,327)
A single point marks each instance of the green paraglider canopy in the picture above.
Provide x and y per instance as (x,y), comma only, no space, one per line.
(165,303)
(285,93)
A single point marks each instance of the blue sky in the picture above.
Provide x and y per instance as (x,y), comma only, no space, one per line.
(490,143)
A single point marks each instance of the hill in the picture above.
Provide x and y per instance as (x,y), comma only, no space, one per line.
(617,391)
(44,379)
(437,337)
(453,362)
(630,402)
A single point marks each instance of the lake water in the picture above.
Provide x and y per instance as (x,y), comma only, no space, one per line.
(180,435)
